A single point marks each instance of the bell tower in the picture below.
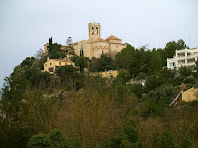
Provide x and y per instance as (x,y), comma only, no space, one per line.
(94,31)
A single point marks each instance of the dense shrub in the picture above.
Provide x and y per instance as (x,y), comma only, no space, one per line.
(95,145)
(157,108)
(53,140)
(186,143)
(127,139)
(137,89)
(39,141)
(189,80)
(164,140)
(152,82)
(195,130)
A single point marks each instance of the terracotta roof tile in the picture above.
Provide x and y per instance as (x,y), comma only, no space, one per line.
(89,41)
(112,38)
(62,61)
(99,39)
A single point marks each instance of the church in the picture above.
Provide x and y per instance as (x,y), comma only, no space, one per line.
(95,45)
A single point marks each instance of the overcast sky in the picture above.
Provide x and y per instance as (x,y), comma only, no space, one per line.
(26,25)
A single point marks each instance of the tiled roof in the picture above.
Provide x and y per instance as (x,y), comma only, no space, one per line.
(99,39)
(112,38)
(62,60)
(88,41)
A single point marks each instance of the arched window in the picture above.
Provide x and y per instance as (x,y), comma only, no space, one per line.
(96,30)
(92,30)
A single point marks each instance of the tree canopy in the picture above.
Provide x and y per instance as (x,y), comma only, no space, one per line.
(74,109)
(172,46)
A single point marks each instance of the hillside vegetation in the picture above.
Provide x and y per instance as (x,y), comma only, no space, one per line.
(73,109)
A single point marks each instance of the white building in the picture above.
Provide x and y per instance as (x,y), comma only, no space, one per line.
(183,57)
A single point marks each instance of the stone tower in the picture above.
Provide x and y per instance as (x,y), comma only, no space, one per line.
(94,31)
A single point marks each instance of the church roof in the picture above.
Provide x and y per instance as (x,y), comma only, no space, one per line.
(99,39)
(112,38)
(63,61)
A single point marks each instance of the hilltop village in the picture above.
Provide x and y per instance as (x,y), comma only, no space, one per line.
(102,93)
(94,47)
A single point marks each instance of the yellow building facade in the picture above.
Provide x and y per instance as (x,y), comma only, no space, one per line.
(52,64)
(190,95)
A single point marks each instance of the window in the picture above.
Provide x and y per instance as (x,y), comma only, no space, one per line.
(92,30)
(51,69)
(65,63)
(50,63)
(172,64)
(59,63)
(96,30)
(45,64)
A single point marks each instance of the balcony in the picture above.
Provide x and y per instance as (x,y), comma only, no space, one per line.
(183,57)
(180,57)
(191,56)
(190,64)
(186,64)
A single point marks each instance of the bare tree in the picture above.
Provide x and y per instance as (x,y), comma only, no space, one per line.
(39,54)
